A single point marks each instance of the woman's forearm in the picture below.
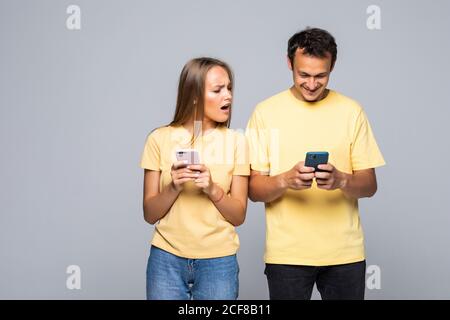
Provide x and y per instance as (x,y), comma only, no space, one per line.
(233,210)
(156,207)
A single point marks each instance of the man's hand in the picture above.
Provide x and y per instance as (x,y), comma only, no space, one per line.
(299,177)
(331,178)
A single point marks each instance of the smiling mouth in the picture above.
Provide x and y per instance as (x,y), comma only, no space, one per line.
(311,91)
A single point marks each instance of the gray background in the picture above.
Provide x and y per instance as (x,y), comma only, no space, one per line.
(76,107)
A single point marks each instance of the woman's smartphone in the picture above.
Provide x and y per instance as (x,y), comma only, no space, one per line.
(191,156)
(313,159)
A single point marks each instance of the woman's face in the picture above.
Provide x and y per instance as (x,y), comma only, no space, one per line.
(218,95)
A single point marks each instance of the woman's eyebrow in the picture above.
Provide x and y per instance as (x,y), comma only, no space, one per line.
(219,85)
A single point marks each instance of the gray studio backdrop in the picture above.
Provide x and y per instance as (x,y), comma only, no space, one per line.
(77,105)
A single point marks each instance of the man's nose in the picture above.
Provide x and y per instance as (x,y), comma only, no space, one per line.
(311,83)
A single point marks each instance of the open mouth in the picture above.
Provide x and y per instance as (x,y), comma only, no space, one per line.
(225,107)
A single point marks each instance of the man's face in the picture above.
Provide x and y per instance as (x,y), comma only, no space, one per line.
(310,75)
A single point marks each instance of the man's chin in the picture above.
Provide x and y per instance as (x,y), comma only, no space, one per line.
(312,97)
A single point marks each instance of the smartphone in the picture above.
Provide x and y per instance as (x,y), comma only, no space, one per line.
(191,156)
(313,159)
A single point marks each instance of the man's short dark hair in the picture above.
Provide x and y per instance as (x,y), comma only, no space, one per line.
(315,42)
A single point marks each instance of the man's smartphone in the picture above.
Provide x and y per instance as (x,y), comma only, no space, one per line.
(313,159)
(191,156)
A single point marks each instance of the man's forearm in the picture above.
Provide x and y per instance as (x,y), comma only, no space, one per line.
(266,188)
(358,185)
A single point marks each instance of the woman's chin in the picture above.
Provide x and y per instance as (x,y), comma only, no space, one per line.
(221,120)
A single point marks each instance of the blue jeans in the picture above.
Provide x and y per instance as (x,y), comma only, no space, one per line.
(170,277)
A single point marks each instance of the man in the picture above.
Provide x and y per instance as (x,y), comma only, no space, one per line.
(314,233)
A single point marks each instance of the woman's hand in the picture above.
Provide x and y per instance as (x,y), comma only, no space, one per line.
(203,179)
(233,207)
(181,174)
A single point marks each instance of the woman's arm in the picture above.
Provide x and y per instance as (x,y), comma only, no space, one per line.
(158,202)
(232,207)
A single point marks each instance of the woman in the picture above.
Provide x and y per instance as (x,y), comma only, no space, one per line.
(196,206)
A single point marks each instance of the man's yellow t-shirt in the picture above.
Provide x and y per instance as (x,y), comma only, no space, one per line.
(193,227)
(312,227)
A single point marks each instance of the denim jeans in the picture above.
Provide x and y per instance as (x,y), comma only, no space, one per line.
(170,277)
(292,282)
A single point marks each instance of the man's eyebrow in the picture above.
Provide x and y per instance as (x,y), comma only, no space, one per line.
(319,74)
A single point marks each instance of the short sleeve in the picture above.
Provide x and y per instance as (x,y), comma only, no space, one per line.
(258,143)
(151,155)
(241,158)
(365,153)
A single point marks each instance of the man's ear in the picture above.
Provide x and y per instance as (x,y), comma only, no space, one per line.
(289,63)
(332,67)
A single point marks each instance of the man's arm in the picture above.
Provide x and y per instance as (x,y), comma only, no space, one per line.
(360,184)
(265,188)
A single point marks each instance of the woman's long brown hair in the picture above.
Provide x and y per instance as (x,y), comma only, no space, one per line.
(191,93)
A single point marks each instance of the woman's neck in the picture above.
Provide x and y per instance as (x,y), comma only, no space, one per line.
(200,126)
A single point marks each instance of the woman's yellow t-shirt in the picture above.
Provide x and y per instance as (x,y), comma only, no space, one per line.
(193,227)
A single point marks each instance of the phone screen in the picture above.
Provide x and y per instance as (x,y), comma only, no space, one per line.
(190,156)
(313,159)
